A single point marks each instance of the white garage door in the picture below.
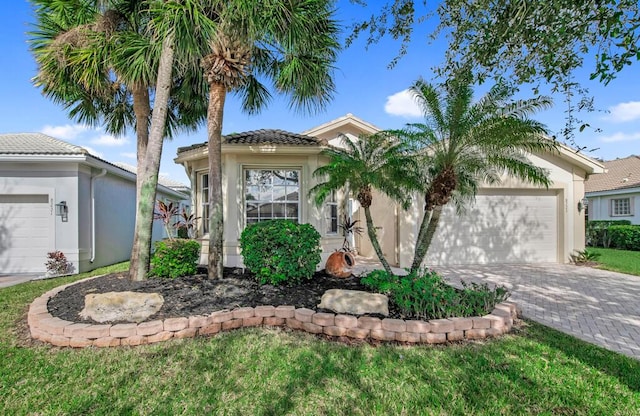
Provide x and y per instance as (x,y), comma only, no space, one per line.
(26,233)
(501,227)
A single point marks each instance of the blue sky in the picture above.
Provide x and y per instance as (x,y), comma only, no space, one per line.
(365,87)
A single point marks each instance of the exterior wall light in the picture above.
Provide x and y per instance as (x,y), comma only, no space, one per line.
(62,210)
(584,202)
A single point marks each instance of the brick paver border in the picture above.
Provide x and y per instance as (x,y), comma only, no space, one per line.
(61,333)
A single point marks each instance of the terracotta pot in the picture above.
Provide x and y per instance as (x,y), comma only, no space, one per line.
(340,264)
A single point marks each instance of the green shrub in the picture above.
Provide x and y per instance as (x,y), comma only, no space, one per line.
(175,258)
(426,295)
(625,237)
(479,299)
(598,234)
(585,256)
(280,251)
(380,281)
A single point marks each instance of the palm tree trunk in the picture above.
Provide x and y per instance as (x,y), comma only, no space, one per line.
(142,110)
(215,112)
(371,231)
(422,245)
(423,228)
(148,172)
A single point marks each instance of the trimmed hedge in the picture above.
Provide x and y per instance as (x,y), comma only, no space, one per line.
(625,237)
(598,234)
(280,251)
(175,258)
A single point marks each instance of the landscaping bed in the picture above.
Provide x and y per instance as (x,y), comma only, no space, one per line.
(196,295)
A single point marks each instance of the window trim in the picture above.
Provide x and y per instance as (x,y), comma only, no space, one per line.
(629,205)
(243,173)
(331,201)
(204,207)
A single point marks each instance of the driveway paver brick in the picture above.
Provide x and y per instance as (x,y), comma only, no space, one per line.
(597,306)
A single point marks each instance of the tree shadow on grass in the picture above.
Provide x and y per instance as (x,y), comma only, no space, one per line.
(625,369)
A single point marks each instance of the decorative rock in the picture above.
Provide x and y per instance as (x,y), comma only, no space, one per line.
(354,302)
(121,306)
(340,264)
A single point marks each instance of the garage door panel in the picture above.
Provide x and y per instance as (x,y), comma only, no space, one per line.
(498,229)
(26,233)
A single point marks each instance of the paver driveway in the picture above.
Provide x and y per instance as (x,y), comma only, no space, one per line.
(597,306)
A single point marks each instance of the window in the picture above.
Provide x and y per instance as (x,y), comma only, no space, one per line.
(205,203)
(621,207)
(271,194)
(331,213)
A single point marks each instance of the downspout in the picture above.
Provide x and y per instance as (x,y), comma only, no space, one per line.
(93,214)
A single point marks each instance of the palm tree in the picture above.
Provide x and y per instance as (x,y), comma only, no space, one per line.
(292,43)
(463,143)
(376,161)
(102,60)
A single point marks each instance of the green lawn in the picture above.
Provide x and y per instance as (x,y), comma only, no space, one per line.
(257,371)
(623,261)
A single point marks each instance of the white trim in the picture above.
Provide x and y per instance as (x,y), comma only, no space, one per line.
(613,192)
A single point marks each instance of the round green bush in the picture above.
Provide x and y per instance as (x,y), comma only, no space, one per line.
(280,251)
(175,258)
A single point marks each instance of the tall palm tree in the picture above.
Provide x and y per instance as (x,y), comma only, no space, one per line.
(463,143)
(372,162)
(291,43)
(103,60)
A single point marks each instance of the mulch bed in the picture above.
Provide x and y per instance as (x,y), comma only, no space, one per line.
(197,295)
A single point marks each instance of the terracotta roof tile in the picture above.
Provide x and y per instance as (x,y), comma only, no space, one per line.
(620,174)
(261,137)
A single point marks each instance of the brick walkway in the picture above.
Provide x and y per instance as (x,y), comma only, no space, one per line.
(597,306)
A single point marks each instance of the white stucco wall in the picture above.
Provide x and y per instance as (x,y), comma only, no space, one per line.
(60,182)
(600,205)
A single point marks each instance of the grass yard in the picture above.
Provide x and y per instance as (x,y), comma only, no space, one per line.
(257,371)
(623,261)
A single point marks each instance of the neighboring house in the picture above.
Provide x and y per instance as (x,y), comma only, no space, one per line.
(55,196)
(615,194)
(268,173)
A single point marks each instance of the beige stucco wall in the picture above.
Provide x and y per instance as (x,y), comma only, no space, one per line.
(304,159)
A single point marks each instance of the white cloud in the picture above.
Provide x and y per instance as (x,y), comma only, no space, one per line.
(108,140)
(129,155)
(94,152)
(621,137)
(624,112)
(402,104)
(66,132)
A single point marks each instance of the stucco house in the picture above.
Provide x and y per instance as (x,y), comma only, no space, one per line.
(268,174)
(55,196)
(615,194)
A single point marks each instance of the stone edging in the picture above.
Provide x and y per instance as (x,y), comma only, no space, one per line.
(61,333)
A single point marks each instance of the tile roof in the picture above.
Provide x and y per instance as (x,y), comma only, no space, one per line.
(36,144)
(162,180)
(263,136)
(620,174)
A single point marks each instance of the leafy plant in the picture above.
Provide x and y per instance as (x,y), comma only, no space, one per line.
(380,281)
(479,299)
(349,228)
(166,213)
(280,251)
(426,295)
(598,234)
(187,222)
(57,263)
(625,237)
(175,258)
(583,256)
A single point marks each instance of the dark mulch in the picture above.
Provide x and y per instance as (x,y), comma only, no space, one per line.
(197,295)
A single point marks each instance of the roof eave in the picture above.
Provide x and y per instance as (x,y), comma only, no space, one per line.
(579,159)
